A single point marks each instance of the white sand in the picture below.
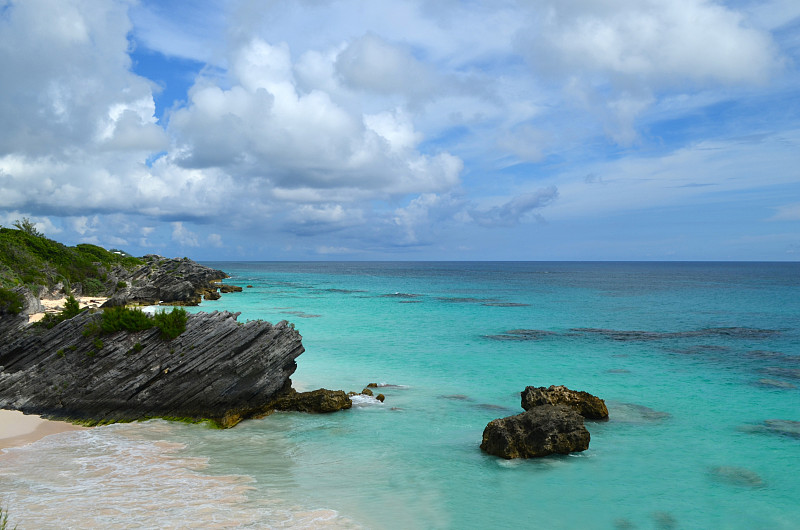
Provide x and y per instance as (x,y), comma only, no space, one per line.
(54,306)
(18,429)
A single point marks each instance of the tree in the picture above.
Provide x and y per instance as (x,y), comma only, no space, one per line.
(27,226)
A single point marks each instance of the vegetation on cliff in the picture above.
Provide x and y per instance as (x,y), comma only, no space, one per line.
(29,258)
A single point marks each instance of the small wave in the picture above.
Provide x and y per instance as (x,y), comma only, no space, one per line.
(120,476)
(362,400)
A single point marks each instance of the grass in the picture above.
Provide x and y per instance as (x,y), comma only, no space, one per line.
(4,520)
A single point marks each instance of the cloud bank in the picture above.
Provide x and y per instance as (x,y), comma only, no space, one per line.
(352,127)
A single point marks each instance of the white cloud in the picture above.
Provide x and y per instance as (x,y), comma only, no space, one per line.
(183,236)
(787,212)
(262,127)
(613,57)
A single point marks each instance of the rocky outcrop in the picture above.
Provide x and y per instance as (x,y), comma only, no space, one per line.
(319,401)
(589,406)
(218,369)
(540,431)
(552,423)
(163,280)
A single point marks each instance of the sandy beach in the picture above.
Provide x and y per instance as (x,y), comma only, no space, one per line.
(54,306)
(18,429)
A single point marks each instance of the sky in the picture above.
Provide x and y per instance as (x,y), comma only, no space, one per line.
(405,129)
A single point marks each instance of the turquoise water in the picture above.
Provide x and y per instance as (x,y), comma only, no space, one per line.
(716,354)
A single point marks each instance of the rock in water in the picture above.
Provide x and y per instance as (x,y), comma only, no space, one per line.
(218,369)
(321,400)
(540,431)
(589,406)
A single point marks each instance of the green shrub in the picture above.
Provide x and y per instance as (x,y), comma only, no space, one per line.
(71,307)
(125,319)
(171,324)
(11,301)
(121,284)
(92,286)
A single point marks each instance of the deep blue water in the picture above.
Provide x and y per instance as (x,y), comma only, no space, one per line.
(699,364)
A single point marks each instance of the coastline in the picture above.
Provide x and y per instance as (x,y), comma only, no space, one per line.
(17,429)
(54,306)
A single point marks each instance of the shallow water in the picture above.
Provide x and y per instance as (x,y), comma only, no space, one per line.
(694,361)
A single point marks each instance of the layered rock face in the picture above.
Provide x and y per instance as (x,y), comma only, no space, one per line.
(589,406)
(552,423)
(540,431)
(173,281)
(218,369)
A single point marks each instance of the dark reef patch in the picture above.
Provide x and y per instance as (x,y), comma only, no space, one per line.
(522,335)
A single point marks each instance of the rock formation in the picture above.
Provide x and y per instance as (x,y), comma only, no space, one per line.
(540,431)
(552,423)
(218,369)
(587,405)
(172,281)
(321,400)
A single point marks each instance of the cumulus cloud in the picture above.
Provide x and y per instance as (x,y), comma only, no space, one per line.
(622,53)
(263,127)
(318,119)
(370,63)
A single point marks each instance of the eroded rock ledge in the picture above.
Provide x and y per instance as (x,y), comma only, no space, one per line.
(218,369)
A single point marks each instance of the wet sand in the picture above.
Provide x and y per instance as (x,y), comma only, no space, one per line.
(18,429)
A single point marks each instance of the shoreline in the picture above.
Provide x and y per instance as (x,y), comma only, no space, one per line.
(18,429)
(56,305)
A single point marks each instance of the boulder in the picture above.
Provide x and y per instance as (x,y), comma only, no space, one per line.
(539,431)
(589,406)
(320,400)
(30,303)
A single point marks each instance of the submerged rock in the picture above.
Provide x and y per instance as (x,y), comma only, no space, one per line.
(218,369)
(540,431)
(737,476)
(784,427)
(635,413)
(589,406)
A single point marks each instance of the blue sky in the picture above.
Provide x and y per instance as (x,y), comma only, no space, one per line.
(394,130)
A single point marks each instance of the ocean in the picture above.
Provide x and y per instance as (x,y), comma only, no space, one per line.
(699,364)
